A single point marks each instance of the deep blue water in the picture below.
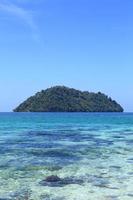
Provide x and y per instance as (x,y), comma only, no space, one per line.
(92,151)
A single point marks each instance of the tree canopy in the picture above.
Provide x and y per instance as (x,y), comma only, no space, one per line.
(64,99)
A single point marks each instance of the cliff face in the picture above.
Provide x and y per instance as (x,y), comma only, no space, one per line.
(64,99)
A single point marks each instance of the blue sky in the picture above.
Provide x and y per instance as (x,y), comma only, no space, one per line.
(85,44)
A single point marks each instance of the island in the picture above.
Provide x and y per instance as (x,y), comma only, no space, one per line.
(64,99)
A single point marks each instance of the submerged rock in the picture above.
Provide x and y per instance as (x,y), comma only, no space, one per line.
(55,181)
(52,179)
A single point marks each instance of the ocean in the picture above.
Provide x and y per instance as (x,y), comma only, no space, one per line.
(90,153)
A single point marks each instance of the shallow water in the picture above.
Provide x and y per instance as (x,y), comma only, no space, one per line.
(92,151)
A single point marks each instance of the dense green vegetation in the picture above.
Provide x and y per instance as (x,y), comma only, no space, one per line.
(64,99)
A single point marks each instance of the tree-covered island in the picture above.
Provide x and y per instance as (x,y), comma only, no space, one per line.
(64,99)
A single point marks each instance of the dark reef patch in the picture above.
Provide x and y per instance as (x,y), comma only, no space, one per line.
(55,181)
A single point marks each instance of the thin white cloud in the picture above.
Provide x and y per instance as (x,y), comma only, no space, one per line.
(22,14)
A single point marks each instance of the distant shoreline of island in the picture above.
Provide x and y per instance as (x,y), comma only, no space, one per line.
(65,99)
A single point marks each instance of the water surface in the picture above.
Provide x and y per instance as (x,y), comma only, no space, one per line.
(94,151)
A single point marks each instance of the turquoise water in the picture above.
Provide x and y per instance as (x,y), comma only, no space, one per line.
(93,151)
